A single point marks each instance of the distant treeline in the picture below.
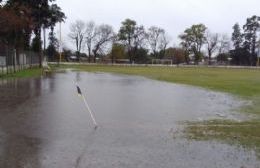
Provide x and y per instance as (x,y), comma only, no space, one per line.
(141,45)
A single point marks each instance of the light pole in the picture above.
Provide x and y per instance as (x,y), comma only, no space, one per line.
(60,47)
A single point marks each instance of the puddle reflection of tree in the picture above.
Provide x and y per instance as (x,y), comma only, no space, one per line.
(18,149)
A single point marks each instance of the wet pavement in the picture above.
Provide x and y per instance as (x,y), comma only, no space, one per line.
(44,124)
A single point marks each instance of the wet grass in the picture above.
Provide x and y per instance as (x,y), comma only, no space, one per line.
(33,72)
(244,83)
(245,133)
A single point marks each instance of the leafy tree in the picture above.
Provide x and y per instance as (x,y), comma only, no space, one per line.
(177,55)
(132,36)
(53,45)
(237,36)
(193,39)
(55,15)
(67,53)
(223,58)
(126,34)
(141,56)
(41,16)
(13,22)
(250,33)
(118,52)
(240,56)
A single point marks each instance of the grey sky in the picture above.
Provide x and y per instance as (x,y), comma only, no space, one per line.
(172,15)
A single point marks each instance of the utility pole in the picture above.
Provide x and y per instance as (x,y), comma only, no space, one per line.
(60,48)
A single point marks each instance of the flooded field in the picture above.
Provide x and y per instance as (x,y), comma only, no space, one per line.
(44,124)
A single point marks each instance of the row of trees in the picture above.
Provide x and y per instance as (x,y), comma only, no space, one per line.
(132,40)
(198,37)
(138,44)
(246,43)
(22,22)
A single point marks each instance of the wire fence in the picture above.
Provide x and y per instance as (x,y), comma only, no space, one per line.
(12,61)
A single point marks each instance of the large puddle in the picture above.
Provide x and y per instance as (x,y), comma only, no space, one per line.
(44,124)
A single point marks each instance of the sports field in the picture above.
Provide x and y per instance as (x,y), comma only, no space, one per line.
(242,83)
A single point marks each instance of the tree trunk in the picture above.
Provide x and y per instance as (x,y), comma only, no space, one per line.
(209,57)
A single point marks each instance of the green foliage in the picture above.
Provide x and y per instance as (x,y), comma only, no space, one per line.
(14,20)
(245,133)
(141,56)
(193,40)
(132,36)
(53,45)
(34,15)
(178,55)
(118,52)
(237,36)
(28,73)
(240,56)
(250,33)
(223,57)
(245,43)
(36,44)
(127,30)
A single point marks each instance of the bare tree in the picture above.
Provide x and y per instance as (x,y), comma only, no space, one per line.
(104,34)
(90,35)
(212,40)
(139,37)
(224,44)
(77,34)
(164,41)
(153,36)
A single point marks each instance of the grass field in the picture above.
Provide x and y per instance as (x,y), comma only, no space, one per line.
(34,72)
(244,83)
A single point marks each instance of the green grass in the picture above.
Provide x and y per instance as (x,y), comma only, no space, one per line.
(244,83)
(34,72)
(245,133)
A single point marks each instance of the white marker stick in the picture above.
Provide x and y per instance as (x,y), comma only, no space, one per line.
(87,106)
(90,112)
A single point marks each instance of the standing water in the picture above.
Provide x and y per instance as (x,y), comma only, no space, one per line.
(45,124)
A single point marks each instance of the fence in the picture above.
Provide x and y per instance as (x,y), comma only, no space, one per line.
(12,61)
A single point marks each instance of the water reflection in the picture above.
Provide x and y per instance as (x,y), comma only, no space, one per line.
(18,147)
(44,124)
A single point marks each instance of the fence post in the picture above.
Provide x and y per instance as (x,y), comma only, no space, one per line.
(14,58)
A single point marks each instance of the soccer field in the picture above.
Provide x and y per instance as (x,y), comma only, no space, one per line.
(243,83)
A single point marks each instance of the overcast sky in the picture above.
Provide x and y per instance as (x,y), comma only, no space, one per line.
(172,15)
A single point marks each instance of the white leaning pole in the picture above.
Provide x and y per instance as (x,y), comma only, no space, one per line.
(90,112)
(87,106)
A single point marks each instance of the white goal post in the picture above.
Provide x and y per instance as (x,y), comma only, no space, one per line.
(162,61)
